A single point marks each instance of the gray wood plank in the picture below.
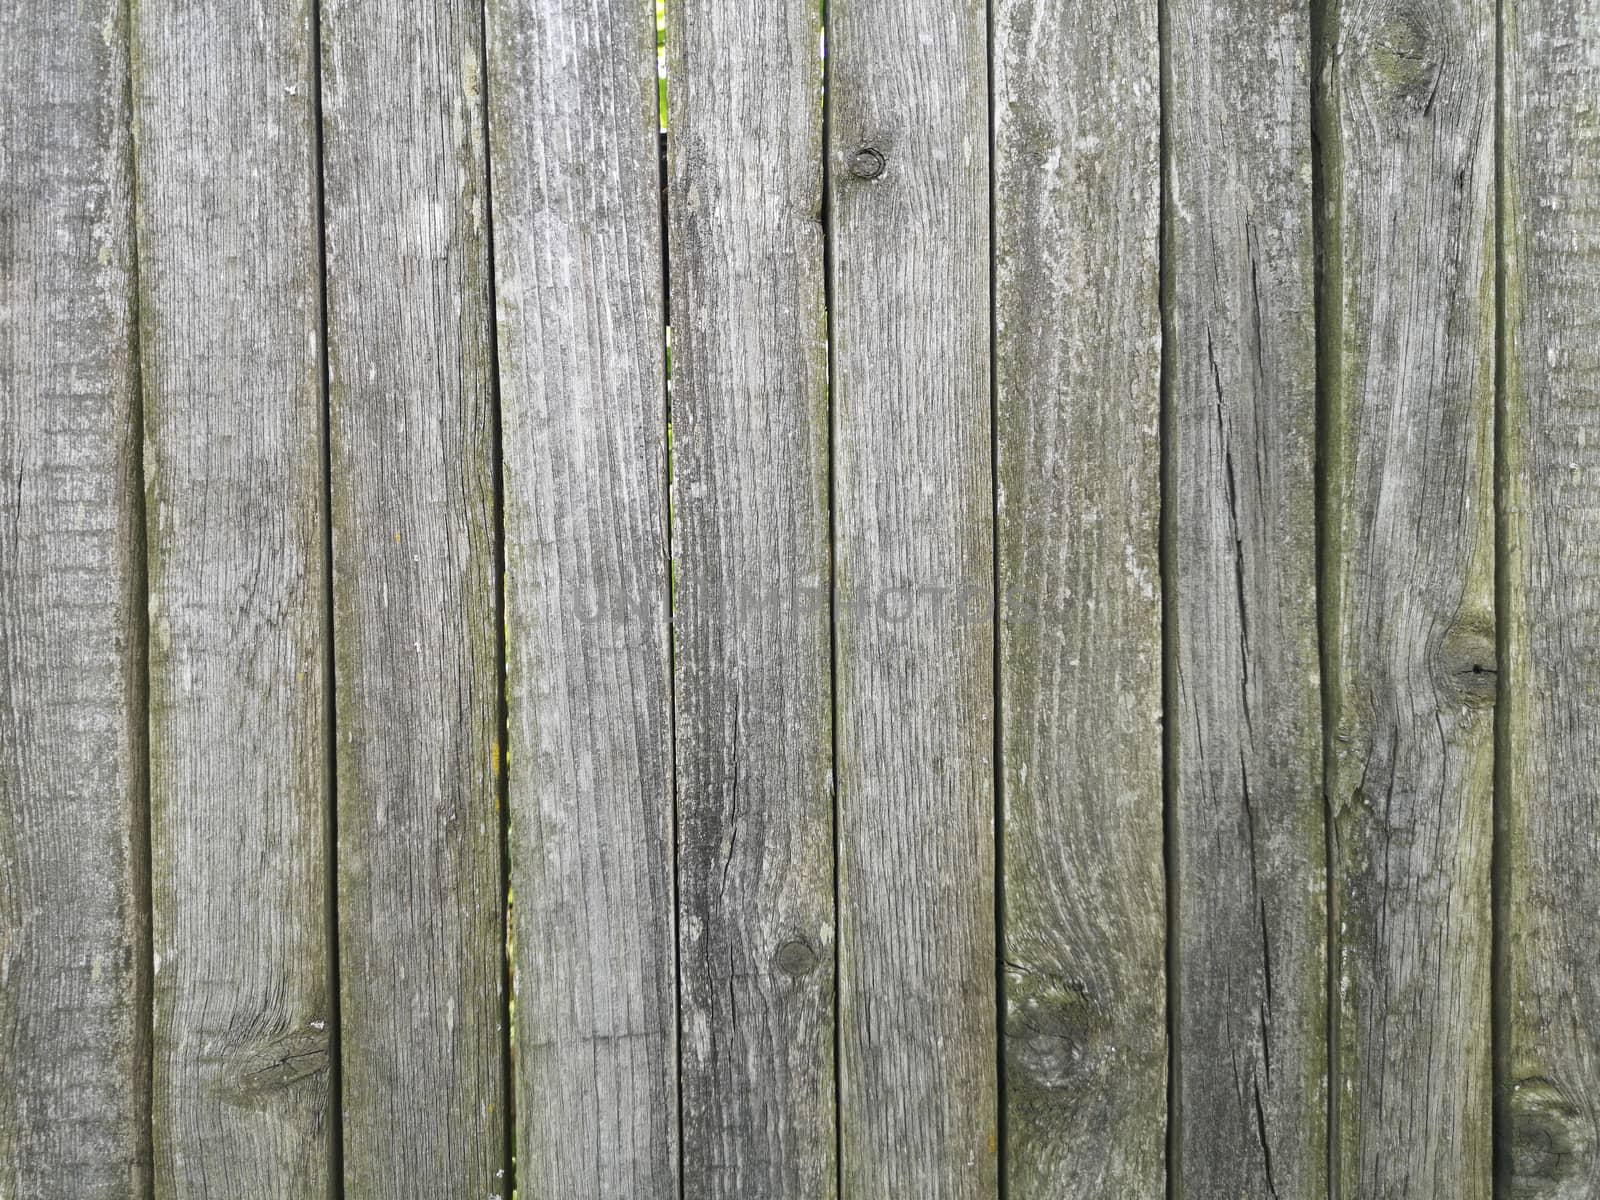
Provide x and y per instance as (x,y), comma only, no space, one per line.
(913,520)
(1407,127)
(578,275)
(751,612)
(1550,774)
(417,657)
(1251,1046)
(1077,189)
(74,955)
(230,342)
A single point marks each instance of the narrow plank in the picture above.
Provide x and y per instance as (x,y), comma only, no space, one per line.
(1077,324)
(416,647)
(1246,734)
(751,612)
(913,520)
(1407,127)
(74,959)
(1550,981)
(578,275)
(230,341)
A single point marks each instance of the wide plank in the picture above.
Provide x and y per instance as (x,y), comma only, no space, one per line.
(1078,366)
(415,566)
(74,949)
(1549,978)
(913,526)
(230,338)
(751,612)
(1406,125)
(1245,715)
(578,275)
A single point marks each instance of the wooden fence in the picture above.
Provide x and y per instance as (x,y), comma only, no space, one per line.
(1083,685)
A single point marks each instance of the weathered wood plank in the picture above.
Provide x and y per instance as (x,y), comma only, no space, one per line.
(230,338)
(1077,187)
(751,613)
(908,182)
(573,131)
(1407,125)
(1550,773)
(412,441)
(1246,735)
(74,959)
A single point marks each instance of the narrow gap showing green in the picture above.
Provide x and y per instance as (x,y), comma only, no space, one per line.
(824,68)
(330,705)
(997,651)
(661,61)
(507,1184)
(1326,302)
(1499,859)
(659,11)
(143,851)
(1167,570)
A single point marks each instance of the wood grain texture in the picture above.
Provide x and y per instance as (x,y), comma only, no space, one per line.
(74,956)
(578,270)
(230,336)
(751,611)
(1408,129)
(1077,327)
(913,522)
(1550,776)
(411,421)
(1246,736)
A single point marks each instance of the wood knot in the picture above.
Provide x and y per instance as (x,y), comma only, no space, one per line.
(1404,58)
(1053,1033)
(258,1071)
(1552,1143)
(797,958)
(1467,665)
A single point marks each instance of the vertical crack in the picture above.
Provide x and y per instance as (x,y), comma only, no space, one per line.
(330,689)
(1167,570)
(997,585)
(1325,234)
(659,21)
(139,518)
(1500,794)
(833,597)
(502,734)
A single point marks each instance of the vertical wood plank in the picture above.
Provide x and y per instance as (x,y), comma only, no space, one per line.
(908,182)
(411,428)
(230,335)
(1408,130)
(574,142)
(1246,736)
(1077,326)
(74,968)
(751,611)
(1551,480)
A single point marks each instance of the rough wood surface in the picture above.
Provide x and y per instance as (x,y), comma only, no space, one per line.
(578,268)
(751,612)
(1550,774)
(411,423)
(913,518)
(1246,736)
(229,338)
(1077,328)
(1407,124)
(74,960)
